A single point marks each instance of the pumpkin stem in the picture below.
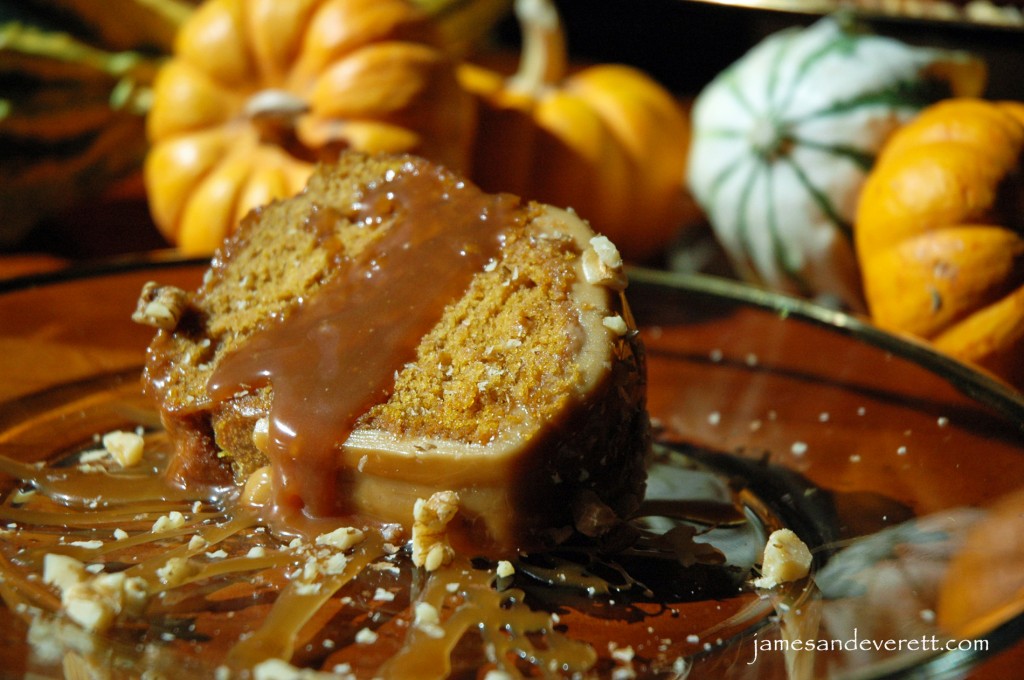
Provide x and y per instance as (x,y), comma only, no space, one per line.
(273,113)
(543,56)
(770,140)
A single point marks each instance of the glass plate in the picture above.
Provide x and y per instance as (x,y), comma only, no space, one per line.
(899,468)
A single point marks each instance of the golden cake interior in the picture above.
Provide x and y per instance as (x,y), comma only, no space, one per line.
(525,397)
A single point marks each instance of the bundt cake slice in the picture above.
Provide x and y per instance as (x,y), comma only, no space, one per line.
(393,332)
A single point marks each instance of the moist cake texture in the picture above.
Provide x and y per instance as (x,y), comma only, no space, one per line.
(392,332)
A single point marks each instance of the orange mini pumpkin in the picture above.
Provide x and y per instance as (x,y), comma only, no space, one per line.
(940,232)
(607,141)
(259,90)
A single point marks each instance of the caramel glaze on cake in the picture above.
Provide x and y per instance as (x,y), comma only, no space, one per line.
(449,339)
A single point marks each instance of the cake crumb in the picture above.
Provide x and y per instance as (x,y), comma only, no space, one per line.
(786,559)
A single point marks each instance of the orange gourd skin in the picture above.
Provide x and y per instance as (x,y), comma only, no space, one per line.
(940,233)
(259,91)
(607,141)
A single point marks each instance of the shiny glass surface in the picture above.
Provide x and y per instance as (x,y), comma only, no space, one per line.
(901,469)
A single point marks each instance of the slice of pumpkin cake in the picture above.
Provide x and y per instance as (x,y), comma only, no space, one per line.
(393,332)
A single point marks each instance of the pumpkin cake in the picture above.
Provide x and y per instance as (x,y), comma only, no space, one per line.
(393,334)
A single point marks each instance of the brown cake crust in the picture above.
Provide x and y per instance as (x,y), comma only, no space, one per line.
(520,381)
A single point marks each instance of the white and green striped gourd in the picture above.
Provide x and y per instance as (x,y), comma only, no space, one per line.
(783,139)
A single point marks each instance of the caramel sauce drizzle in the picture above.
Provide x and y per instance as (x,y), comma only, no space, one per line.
(275,639)
(72,486)
(500,617)
(470,600)
(519,639)
(335,355)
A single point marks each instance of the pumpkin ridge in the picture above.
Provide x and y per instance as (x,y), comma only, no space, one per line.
(742,223)
(906,94)
(290,58)
(989,336)
(732,86)
(843,44)
(819,198)
(724,174)
(218,173)
(773,87)
(863,159)
(248,38)
(780,253)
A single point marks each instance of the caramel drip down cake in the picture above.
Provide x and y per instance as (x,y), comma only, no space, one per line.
(393,333)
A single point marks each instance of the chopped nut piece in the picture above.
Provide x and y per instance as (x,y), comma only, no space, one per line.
(623,654)
(383,595)
(495,674)
(426,619)
(342,538)
(430,548)
(175,571)
(335,564)
(261,434)
(365,636)
(125,447)
(277,669)
(257,489)
(307,588)
(160,306)
(93,602)
(786,558)
(426,614)
(615,324)
(602,264)
(169,522)
(62,571)
(505,569)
